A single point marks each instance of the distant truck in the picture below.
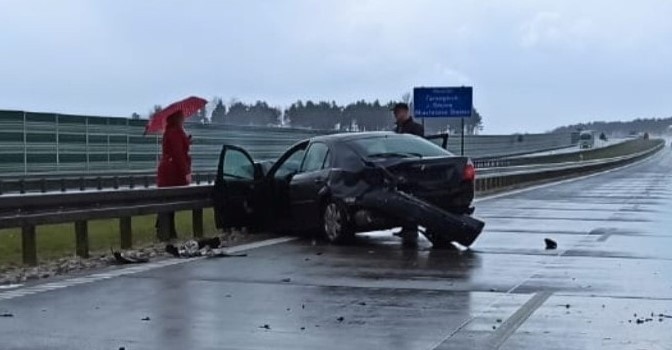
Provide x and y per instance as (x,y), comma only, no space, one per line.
(587,139)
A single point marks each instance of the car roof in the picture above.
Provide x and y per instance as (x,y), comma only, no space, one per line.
(340,137)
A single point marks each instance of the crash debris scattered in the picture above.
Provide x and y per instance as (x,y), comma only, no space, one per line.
(550,244)
(207,247)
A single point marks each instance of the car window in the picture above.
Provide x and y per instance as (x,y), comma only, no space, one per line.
(237,166)
(401,146)
(291,164)
(317,153)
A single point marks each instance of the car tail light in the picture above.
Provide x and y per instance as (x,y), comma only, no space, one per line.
(469,172)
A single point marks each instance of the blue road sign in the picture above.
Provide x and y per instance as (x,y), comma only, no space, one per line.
(447,102)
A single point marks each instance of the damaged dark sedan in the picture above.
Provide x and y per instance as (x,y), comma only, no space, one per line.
(339,185)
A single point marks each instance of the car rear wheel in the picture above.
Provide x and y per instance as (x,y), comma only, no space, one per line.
(336,223)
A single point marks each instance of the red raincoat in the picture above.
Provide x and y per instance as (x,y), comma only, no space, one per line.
(175,162)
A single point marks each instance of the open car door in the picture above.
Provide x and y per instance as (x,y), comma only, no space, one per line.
(237,190)
(439,139)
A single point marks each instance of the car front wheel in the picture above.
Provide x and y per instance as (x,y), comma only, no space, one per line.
(336,223)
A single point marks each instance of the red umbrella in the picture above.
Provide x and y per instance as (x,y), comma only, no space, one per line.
(188,107)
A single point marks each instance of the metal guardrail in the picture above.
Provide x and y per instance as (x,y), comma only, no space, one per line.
(580,155)
(511,176)
(73,181)
(28,211)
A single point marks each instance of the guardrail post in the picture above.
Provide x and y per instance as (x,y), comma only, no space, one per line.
(1,189)
(63,185)
(126,233)
(29,245)
(22,186)
(82,238)
(82,183)
(100,183)
(146,181)
(131,182)
(197,222)
(164,227)
(116,182)
(43,185)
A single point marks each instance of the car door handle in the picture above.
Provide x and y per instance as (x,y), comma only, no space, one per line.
(319,181)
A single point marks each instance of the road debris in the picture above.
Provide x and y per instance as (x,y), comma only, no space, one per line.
(499,320)
(6,314)
(146,318)
(362,303)
(267,327)
(208,247)
(550,244)
(340,319)
(126,258)
(286,280)
(642,320)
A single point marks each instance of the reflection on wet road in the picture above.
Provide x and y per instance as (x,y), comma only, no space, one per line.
(608,285)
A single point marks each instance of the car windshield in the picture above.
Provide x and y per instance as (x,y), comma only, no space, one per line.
(397,146)
(586,137)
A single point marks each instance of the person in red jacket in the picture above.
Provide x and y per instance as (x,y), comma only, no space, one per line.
(175,165)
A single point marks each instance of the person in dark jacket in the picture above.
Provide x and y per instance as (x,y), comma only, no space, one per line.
(406,125)
(175,165)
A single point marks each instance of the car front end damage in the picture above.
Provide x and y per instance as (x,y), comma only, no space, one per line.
(378,198)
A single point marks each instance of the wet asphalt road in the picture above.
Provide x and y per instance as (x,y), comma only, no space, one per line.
(613,267)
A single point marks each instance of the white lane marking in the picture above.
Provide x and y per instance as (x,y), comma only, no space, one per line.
(562,182)
(511,325)
(11,286)
(100,276)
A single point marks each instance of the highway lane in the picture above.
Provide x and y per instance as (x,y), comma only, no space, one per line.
(611,272)
(598,144)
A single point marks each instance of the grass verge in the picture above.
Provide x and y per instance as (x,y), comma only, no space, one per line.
(57,241)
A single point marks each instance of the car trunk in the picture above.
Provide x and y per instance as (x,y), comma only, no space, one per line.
(440,181)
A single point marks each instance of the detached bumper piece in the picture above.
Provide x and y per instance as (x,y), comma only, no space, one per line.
(462,229)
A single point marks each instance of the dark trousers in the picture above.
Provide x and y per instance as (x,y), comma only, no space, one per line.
(171,228)
(409,232)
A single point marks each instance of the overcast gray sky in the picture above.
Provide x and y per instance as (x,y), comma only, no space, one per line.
(534,64)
